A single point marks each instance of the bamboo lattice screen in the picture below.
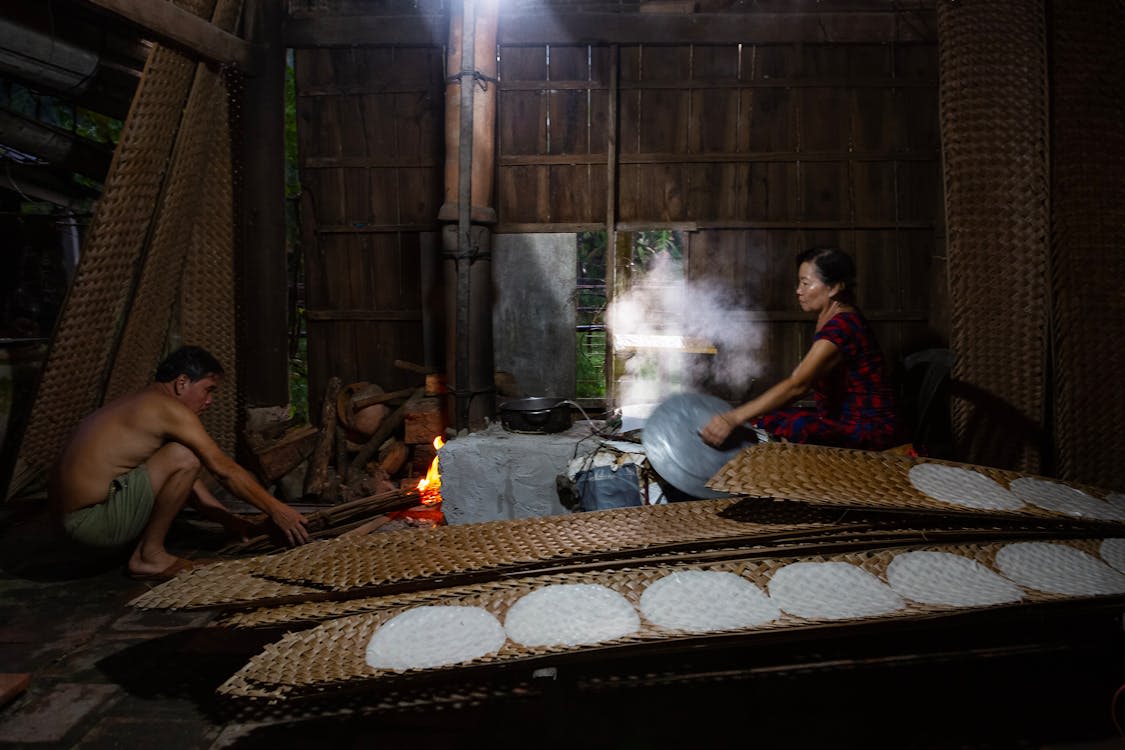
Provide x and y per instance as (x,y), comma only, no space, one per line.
(157,265)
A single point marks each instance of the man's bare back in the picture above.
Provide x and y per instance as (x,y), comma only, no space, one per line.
(108,443)
(159,429)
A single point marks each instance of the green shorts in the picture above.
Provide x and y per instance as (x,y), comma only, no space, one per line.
(120,519)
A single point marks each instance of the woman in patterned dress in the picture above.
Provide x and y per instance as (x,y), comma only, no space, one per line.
(844,369)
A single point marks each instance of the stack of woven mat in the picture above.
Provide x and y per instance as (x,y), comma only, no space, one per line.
(813,538)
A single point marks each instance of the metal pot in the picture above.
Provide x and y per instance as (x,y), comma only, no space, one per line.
(540,415)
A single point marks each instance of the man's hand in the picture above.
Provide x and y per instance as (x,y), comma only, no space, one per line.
(241,528)
(291,524)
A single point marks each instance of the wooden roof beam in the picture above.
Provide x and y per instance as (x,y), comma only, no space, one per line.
(170,23)
(718,28)
(625,28)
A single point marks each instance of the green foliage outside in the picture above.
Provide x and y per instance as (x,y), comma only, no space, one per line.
(590,303)
(298,339)
(63,115)
(591,296)
(299,381)
(648,246)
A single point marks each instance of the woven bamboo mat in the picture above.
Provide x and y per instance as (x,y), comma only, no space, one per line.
(994,136)
(126,307)
(418,556)
(1087,213)
(86,333)
(892,530)
(221,584)
(332,656)
(862,479)
(207,294)
(320,610)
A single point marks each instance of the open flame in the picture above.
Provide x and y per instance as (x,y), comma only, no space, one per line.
(429,486)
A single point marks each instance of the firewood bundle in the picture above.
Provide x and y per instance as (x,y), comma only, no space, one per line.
(368,442)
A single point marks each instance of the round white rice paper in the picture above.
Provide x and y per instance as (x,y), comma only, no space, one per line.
(570,614)
(1058,569)
(434,636)
(952,580)
(831,591)
(701,601)
(1113,552)
(1063,499)
(962,487)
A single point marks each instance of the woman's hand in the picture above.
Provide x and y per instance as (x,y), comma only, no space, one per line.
(720,427)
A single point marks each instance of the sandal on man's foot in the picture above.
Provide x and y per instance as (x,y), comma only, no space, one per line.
(179,566)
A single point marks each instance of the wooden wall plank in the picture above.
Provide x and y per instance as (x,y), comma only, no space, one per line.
(768,120)
(521,126)
(824,119)
(707,28)
(822,130)
(873,192)
(824,191)
(370,135)
(568,133)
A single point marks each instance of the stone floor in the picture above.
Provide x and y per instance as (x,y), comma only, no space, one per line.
(104,675)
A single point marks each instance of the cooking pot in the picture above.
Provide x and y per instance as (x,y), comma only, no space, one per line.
(535,415)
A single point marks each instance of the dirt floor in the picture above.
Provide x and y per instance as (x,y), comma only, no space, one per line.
(105,675)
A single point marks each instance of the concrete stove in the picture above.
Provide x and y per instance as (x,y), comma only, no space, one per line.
(495,474)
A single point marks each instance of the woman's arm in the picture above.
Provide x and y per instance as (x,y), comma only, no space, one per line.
(820,359)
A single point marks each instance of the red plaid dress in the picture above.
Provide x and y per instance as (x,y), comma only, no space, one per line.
(855,401)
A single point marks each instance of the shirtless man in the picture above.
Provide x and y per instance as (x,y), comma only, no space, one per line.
(132,464)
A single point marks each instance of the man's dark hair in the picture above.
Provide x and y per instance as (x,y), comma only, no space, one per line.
(193,361)
(833,266)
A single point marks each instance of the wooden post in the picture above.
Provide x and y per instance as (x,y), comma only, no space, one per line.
(470,163)
(264,279)
(317,480)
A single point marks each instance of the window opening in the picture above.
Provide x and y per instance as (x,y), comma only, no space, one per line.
(645,316)
(590,304)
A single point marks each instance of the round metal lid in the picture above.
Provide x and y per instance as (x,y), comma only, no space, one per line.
(677,452)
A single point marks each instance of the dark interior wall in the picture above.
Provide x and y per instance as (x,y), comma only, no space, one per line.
(785,128)
(371,160)
(757,151)
(1087,167)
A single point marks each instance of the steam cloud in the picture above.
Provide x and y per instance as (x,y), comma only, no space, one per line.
(663,305)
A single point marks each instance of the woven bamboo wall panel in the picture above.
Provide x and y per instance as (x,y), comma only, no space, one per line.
(86,334)
(207,304)
(860,479)
(1087,259)
(993,94)
(120,315)
(332,655)
(150,315)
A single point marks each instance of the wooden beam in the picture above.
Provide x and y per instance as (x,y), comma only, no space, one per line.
(372,315)
(624,28)
(264,280)
(370,30)
(719,28)
(182,28)
(746,157)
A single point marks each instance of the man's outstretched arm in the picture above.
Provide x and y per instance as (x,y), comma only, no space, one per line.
(183,426)
(203,500)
